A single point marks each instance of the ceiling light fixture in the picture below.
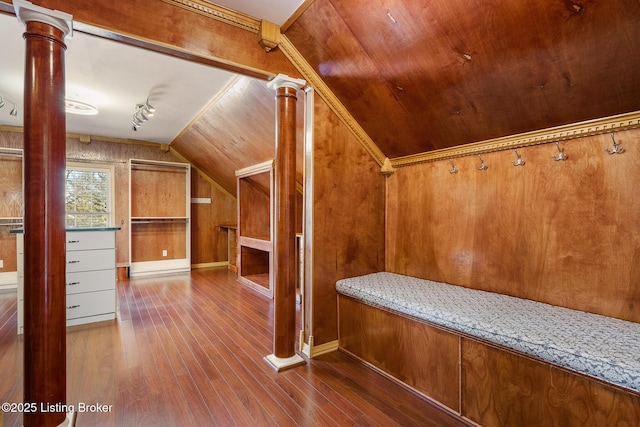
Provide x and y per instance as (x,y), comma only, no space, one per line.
(74,106)
(143,113)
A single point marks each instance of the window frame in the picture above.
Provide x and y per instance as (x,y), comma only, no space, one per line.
(93,167)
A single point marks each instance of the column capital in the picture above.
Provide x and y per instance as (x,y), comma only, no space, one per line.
(282,80)
(28,12)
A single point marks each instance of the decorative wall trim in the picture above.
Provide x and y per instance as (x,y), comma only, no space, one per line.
(248,23)
(327,95)
(304,6)
(80,137)
(254,169)
(269,35)
(219,13)
(609,124)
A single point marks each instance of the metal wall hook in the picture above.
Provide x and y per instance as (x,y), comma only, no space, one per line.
(483,166)
(519,162)
(453,169)
(616,148)
(561,155)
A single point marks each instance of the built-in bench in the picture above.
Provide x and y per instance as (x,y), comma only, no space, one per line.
(599,347)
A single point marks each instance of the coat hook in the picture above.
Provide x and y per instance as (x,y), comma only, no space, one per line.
(519,162)
(483,166)
(561,155)
(453,169)
(616,148)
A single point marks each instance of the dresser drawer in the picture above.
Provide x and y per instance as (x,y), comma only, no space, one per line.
(91,304)
(99,259)
(83,240)
(91,281)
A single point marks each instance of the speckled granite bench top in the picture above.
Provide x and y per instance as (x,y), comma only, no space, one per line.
(597,346)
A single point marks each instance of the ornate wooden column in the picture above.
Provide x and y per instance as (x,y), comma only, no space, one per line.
(284,353)
(44,229)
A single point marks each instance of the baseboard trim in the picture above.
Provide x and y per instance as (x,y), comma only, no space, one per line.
(210,264)
(8,280)
(312,351)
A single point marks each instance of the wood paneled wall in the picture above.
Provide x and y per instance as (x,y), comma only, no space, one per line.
(565,233)
(205,249)
(348,216)
(422,356)
(158,192)
(487,384)
(11,202)
(208,240)
(255,206)
(502,388)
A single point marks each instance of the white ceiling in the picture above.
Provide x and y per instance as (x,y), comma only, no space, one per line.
(115,77)
(276,11)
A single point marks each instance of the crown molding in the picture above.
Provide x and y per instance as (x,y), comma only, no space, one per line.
(304,6)
(248,23)
(599,126)
(255,169)
(219,13)
(328,96)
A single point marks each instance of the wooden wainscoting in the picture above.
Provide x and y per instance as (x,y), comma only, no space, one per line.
(481,382)
(421,356)
(502,388)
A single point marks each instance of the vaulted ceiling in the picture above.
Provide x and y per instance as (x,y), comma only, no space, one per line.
(420,76)
(425,75)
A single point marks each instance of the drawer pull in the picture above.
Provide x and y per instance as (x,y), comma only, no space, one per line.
(73,283)
(73,241)
(73,306)
(73,262)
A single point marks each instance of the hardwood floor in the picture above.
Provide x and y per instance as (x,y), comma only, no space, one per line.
(188,350)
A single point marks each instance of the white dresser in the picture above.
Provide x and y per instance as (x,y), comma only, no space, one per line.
(90,278)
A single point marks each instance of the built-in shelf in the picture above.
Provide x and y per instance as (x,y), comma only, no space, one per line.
(254,234)
(232,244)
(159,220)
(160,209)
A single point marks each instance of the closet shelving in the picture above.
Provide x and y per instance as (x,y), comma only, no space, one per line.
(159,212)
(255,227)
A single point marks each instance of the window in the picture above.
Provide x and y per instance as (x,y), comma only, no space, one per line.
(87,196)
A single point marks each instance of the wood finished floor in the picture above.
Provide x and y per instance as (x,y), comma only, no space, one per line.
(188,350)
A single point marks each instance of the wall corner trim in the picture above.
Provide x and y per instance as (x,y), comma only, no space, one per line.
(329,97)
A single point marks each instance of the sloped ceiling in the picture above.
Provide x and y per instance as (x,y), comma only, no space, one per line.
(235,131)
(420,76)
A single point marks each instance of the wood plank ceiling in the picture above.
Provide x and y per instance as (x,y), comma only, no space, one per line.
(425,75)
(236,131)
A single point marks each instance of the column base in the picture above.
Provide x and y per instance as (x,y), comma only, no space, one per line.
(282,364)
(70,421)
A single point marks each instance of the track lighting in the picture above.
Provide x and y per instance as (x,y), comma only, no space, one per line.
(14,109)
(150,109)
(142,114)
